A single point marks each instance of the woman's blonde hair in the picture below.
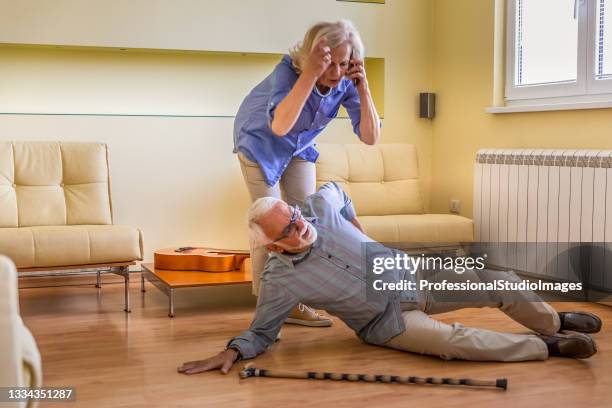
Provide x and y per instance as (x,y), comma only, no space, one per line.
(336,33)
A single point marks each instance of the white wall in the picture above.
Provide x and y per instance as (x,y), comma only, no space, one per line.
(175,177)
(212,25)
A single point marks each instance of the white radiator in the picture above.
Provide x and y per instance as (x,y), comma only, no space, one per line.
(538,204)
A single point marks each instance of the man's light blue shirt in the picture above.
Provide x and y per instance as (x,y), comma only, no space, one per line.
(253,135)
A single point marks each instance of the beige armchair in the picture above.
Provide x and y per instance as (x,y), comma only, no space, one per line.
(56,211)
(383,182)
(20,364)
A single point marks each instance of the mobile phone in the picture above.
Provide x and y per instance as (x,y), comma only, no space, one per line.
(355,81)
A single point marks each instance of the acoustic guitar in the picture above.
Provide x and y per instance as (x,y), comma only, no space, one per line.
(200,259)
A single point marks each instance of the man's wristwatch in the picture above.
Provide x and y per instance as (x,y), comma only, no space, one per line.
(237,350)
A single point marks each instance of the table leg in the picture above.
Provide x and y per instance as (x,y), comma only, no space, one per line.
(142,285)
(171,303)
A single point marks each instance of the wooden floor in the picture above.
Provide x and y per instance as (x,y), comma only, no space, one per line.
(129,360)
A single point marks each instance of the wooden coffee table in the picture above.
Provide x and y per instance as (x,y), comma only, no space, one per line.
(169,281)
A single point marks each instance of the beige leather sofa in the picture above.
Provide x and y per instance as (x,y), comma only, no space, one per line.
(20,364)
(56,211)
(383,182)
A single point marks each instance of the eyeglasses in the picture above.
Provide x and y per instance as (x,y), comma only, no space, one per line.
(290,229)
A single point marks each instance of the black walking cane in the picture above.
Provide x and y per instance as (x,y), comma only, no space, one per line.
(251,371)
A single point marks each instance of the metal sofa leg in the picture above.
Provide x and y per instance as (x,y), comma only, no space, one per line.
(98,279)
(126,275)
(125,272)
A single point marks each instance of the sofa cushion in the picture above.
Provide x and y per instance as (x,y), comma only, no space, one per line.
(380,179)
(54,183)
(422,228)
(52,246)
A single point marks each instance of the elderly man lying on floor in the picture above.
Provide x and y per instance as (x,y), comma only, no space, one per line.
(316,260)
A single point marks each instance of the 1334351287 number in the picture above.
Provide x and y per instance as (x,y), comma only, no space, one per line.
(8,394)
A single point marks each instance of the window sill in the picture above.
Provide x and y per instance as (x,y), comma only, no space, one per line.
(549,107)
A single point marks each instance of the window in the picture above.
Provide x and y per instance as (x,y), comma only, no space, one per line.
(603,41)
(558,52)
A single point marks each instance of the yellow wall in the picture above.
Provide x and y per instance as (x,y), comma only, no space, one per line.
(80,80)
(463,79)
(176,177)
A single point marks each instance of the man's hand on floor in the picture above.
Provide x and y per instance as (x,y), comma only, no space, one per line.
(224,360)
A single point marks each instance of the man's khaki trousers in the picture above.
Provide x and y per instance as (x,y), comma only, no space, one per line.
(426,335)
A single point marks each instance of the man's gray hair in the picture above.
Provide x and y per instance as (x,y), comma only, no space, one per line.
(336,33)
(258,209)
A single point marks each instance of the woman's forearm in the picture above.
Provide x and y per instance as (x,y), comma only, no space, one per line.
(289,109)
(369,126)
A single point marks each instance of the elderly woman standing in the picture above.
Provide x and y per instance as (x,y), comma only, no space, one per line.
(277,123)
